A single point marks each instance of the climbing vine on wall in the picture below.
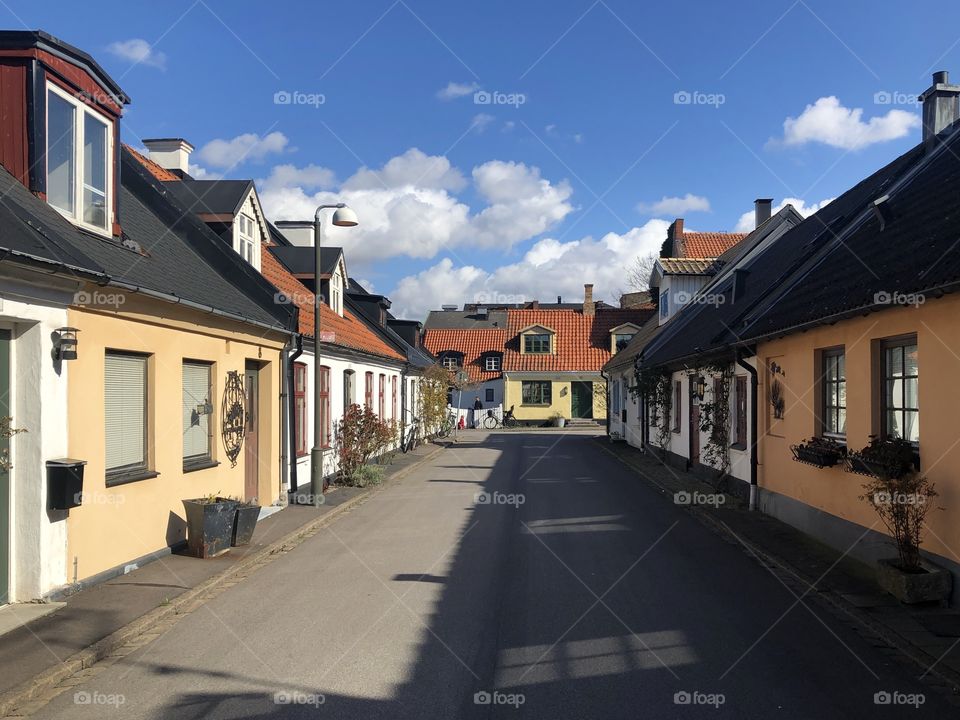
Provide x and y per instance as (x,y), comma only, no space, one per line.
(655,387)
(715,418)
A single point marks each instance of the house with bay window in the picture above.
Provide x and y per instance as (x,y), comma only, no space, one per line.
(131,338)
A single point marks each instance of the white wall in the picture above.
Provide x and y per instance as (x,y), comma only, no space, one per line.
(465,399)
(38,543)
(630,431)
(337,368)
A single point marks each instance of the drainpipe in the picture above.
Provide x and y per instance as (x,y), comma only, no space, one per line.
(753,425)
(290,438)
(606,389)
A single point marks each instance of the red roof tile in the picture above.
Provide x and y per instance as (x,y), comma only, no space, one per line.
(709,244)
(349,331)
(157,171)
(582,341)
(473,343)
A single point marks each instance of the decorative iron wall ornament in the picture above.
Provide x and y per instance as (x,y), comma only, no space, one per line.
(234,416)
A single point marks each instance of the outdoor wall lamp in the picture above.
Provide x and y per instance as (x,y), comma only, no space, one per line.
(66,344)
(699,387)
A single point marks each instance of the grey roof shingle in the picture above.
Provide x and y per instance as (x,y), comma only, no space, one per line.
(211,197)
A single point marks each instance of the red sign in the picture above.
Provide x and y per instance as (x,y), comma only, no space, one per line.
(328,336)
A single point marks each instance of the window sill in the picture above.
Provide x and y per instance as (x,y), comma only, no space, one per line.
(535,405)
(130,476)
(199,465)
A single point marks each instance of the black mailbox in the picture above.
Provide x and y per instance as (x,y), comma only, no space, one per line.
(64,483)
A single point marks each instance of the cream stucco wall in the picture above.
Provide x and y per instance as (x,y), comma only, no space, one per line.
(117,524)
(561,399)
(831,490)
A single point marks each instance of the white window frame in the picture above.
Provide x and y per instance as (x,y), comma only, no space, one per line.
(492,363)
(78,129)
(247,241)
(336,293)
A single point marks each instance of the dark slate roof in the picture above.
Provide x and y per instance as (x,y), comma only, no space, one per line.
(299,259)
(626,357)
(465,320)
(916,250)
(210,197)
(180,256)
(701,327)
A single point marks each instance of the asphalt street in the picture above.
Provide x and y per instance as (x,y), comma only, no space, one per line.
(516,575)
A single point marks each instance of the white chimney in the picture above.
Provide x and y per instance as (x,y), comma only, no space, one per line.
(297,232)
(170,153)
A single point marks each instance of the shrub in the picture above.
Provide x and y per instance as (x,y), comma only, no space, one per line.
(902,504)
(360,436)
(365,476)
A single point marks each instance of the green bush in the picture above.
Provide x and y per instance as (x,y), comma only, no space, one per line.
(365,476)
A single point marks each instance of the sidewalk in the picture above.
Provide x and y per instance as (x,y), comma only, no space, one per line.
(928,635)
(97,614)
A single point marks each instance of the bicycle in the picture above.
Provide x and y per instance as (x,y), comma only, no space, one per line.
(492,421)
(446,427)
(413,436)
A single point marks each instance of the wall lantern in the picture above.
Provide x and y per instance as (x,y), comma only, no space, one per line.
(698,386)
(66,343)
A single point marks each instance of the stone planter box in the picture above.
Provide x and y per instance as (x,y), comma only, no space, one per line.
(934,585)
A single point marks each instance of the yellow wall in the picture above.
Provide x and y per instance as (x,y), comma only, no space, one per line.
(561,396)
(115,525)
(831,489)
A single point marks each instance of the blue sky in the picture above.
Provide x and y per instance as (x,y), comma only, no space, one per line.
(559,179)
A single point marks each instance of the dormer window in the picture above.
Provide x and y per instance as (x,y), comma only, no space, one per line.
(492,363)
(336,293)
(452,361)
(621,336)
(79,156)
(536,343)
(247,238)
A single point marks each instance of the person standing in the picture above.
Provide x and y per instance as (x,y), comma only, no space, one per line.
(477,408)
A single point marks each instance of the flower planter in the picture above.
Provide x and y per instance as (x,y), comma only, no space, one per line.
(559,422)
(932,584)
(245,522)
(818,457)
(209,526)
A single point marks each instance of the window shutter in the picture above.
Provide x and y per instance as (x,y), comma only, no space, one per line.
(196,424)
(125,395)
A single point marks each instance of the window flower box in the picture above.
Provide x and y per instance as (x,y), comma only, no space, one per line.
(819,452)
(883,458)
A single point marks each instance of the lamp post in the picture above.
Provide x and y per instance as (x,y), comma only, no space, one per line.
(343,216)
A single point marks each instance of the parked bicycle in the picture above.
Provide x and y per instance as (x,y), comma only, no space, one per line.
(412,438)
(447,426)
(492,420)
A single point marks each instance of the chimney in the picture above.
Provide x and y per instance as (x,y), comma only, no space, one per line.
(588,308)
(170,153)
(762,208)
(941,105)
(534,304)
(675,236)
(559,300)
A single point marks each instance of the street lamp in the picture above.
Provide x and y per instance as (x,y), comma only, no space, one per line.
(343,216)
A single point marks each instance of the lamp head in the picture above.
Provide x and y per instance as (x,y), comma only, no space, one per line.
(345,217)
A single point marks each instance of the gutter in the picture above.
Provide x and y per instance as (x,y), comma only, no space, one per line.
(754,383)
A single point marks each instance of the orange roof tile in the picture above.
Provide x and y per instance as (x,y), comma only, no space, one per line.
(709,244)
(349,331)
(474,344)
(582,341)
(157,171)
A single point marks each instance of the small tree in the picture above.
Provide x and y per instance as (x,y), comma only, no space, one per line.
(434,385)
(639,271)
(902,504)
(361,434)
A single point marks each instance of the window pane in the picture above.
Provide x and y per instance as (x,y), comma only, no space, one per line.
(910,360)
(911,388)
(94,171)
(842,422)
(912,426)
(196,410)
(60,153)
(895,362)
(125,398)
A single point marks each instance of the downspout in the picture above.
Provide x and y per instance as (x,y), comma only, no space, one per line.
(607,393)
(754,383)
(290,440)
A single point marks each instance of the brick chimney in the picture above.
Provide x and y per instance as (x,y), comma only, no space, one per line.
(941,105)
(676,238)
(588,307)
(170,153)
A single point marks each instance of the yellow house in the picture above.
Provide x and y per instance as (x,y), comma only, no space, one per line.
(554,355)
(163,369)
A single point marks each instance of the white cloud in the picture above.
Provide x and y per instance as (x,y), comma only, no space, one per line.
(746,222)
(675,206)
(455,90)
(247,147)
(543,273)
(139,52)
(309,177)
(481,121)
(409,207)
(830,123)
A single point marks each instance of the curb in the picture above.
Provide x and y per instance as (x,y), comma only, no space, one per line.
(29,690)
(838,603)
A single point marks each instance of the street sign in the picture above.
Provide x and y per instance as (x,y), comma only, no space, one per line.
(328,336)
(462,376)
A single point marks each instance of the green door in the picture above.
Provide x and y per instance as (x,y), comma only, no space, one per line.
(582,400)
(4,474)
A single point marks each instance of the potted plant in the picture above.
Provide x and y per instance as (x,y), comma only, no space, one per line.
(558,420)
(902,504)
(820,452)
(888,457)
(209,525)
(244,523)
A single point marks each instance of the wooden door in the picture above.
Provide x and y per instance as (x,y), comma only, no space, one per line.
(251,443)
(4,474)
(694,432)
